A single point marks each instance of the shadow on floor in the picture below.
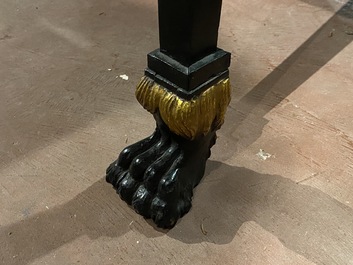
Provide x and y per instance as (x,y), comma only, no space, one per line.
(313,54)
(95,212)
(305,219)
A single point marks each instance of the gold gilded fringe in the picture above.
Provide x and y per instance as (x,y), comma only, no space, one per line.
(187,118)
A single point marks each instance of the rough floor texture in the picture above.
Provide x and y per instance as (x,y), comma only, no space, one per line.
(64,117)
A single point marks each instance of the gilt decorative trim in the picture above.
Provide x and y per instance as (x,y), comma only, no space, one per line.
(186,118)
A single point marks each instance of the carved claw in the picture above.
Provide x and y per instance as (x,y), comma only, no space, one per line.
(157,175)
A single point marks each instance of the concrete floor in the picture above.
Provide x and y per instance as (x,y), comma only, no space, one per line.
(64,117)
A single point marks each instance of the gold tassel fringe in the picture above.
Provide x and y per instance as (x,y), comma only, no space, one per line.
(187,118)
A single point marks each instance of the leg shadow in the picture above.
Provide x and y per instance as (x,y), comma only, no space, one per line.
(96,212)
(310,57)
(303,218)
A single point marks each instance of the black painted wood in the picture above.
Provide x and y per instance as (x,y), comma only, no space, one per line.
(188,61)
(188,29)
(188,81)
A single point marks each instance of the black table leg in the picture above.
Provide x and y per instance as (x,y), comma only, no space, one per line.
(186,87)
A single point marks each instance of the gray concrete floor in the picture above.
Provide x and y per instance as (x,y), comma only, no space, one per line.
(64,117)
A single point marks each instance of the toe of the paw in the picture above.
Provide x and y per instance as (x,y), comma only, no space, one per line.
(138,167)
(152,178)
(169,183)
(184,207)
(109,177)
(164,215)
(125,157)
(127,188)
(112,173)
(141,201)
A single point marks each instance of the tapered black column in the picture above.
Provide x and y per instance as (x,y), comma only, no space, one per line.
(188,29)
(188,60)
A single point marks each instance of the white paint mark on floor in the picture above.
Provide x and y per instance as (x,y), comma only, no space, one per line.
(263,155)
(124,77)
